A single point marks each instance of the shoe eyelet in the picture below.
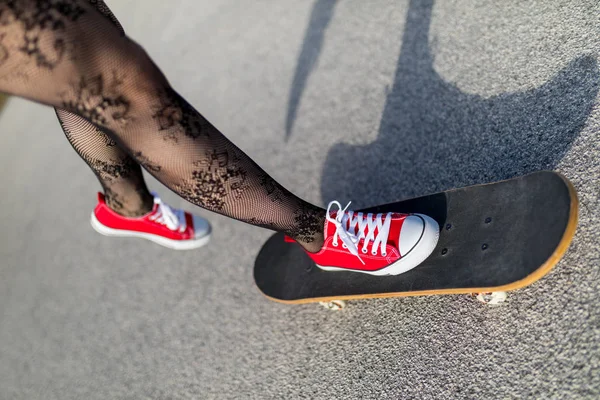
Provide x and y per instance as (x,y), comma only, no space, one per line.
(374,253)
(384,254)
(335,244)
(344,246)
(364,251)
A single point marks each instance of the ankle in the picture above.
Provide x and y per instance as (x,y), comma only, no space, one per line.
(313,245)
(130,209)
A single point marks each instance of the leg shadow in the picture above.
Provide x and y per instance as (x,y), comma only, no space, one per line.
(320,17)
(434,137)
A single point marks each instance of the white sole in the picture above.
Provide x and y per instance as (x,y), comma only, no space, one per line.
(170,243)
(418,254)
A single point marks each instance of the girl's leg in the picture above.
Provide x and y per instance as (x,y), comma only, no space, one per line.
(67,54)
(125,191)
(121,177)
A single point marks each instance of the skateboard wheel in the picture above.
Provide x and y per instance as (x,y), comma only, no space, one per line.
(491,298)
(333,304)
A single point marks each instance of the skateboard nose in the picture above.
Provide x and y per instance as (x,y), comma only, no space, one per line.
(410,234)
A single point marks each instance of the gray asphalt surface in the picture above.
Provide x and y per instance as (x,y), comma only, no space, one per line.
(364,101)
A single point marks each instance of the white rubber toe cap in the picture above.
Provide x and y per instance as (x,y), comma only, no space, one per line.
(410,234)
(201,227)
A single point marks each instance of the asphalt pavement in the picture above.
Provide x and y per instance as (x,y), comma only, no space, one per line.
(338,100)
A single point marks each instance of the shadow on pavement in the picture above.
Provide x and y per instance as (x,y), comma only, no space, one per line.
(320,17)
(434,137)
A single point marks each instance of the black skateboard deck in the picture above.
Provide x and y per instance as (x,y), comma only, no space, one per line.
(493,237)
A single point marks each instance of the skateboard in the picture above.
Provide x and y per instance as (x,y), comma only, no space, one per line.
(494,238)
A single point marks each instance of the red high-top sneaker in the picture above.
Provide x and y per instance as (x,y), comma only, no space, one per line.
(176,229)
(380,244)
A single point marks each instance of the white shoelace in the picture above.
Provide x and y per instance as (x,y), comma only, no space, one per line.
(360,228)
(165,215)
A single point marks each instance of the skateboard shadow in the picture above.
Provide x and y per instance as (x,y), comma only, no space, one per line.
(433,136)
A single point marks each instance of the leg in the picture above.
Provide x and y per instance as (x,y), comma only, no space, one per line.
(121,177)
(66,54)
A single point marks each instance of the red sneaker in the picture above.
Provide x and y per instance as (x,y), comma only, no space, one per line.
(380,244)
(172,228)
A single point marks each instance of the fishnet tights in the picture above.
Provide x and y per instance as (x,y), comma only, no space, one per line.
(118,110)
(122,181)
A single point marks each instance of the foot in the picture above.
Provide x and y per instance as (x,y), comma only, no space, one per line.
(172,228)
(376,244)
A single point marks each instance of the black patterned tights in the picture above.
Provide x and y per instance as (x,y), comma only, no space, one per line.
(119,112)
